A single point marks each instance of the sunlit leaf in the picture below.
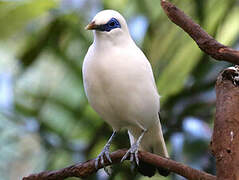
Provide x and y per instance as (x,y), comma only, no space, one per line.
(173,78)
(15,15)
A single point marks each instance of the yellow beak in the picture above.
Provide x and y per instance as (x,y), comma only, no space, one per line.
(91,26)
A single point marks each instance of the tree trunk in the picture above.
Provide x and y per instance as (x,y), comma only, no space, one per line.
(225,139)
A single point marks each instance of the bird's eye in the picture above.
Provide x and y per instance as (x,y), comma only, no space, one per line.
(112,24)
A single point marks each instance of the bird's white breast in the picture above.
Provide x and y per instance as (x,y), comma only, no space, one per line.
(120,86)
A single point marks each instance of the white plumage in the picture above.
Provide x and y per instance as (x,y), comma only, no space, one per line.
(119,83)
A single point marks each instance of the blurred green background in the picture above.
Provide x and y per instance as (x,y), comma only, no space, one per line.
(46,122)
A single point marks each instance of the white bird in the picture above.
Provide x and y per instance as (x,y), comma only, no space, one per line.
(120,86)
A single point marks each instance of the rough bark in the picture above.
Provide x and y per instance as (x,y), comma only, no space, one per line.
(225,139)
(87,168)
(205,42)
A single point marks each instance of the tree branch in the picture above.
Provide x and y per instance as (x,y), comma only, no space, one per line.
(205,42)
(87,168)
(225,139)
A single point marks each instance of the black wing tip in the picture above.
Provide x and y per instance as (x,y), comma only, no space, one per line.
(163,172)
(146,169)
(149,170)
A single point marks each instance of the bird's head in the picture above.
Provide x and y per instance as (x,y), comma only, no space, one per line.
(109,25)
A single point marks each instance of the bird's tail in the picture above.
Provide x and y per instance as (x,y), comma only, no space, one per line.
(153,142)
(160,148)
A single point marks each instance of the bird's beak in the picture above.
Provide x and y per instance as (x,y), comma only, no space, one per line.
(91,26)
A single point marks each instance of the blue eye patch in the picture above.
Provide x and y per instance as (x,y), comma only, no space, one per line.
(111,24)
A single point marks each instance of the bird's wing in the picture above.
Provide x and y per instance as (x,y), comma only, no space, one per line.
(143,59)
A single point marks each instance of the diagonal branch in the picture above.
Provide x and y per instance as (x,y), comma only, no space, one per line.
(87,168)
(205,42)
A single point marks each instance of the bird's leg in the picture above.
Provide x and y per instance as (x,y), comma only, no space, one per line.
(134,149)
(106,152)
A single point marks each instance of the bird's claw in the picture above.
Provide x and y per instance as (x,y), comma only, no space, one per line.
(133,152)
(100,158)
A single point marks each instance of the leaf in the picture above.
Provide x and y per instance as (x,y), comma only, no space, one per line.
(172,79)
(230,28)
(15,15)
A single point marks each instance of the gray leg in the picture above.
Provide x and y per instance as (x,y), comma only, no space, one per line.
(134,149)
(106,152)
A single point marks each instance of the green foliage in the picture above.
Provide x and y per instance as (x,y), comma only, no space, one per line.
(14,16)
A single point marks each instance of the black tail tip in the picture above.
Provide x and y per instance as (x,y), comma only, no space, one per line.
(149,170)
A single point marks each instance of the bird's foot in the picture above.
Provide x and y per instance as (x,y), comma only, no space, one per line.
(100,159)
(105,152)
(133,153)
(134,150)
